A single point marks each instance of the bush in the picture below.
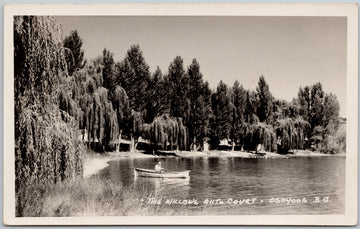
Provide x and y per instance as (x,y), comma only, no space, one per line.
(335,142)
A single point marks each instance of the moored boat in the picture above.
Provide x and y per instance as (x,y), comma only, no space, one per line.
(152,173)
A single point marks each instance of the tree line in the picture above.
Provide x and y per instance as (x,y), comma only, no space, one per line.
(179,110)
(64,104)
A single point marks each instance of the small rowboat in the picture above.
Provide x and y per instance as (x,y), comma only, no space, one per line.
(152,173)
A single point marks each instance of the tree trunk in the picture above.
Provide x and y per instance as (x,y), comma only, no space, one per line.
(132,144)
(136,144)
(233,146)
(118,144)
(194,144)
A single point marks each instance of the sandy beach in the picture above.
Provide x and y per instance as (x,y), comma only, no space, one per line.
(94,165)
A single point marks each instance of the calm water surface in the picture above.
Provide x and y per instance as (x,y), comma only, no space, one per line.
(242,178)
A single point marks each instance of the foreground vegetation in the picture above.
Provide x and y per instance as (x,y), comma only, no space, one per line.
(93,196)
(65,104)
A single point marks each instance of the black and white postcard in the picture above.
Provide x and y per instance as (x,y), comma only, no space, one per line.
(181,114)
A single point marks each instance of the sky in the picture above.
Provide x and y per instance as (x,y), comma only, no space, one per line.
(288,51)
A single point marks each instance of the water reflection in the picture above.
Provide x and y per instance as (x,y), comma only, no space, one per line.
(224,178)
(164,186)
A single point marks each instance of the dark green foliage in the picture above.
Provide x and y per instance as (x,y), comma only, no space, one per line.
(318,137)
(167,133)
(322,112)
(223,113)
(265,99)
(108,70)
(207,113)
(104,114)
(258,133)
(39,62)
(304,101)
(291,133)
(133,75)
(331,139)
(157,103)
(238,97)
(74,53)
(105,110)
(47,149)
(316,105)
(331,110)
(239,115)
(200,104)
(136,123)
(251,108)
(67,103)
(337,142)
(121,107)
(177,84)
(111,126)
(302,129)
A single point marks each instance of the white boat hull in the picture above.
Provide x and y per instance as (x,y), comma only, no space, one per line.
(152,173)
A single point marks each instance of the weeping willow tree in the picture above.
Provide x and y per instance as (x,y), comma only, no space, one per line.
(258,133)
(136,129)
(167,133)
(47,149)
(183,136)
(291,134)
(111,126)
(120,103)
(98,117)
(101,119)
(302,129)
(69,107)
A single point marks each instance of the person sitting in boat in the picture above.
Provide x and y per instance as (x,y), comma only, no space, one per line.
(158,167)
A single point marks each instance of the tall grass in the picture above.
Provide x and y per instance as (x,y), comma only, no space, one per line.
(87,197)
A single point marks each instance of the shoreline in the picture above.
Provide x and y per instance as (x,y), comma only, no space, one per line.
(92,166)
(94,162)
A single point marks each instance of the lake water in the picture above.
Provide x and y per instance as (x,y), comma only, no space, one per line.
(298,185)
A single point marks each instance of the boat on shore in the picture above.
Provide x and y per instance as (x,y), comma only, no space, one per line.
(152,173)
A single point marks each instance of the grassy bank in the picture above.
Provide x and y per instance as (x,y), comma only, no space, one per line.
(87,197)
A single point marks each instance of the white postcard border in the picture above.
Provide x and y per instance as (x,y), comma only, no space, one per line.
(344,10)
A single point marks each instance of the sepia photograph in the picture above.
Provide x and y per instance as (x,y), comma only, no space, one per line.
(194,115)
